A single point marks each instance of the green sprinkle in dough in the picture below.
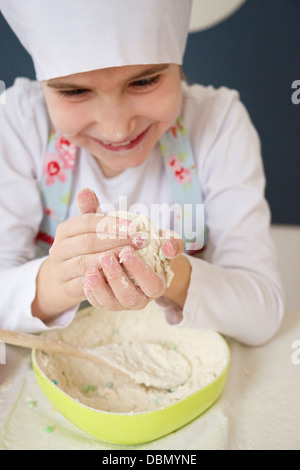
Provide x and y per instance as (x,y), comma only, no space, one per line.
(55,382)
(49,429)
(89,388)
(108,385)
(31,404)
(161,256)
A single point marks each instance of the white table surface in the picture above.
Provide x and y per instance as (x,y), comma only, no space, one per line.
(259,407)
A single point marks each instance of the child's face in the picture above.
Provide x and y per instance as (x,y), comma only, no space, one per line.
(118,114)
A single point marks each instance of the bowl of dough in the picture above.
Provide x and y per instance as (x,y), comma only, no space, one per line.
(114,408)
(175,373)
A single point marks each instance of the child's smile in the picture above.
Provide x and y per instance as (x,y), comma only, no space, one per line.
(125,145)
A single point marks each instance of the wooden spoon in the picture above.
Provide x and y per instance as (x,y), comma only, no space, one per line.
(145,363)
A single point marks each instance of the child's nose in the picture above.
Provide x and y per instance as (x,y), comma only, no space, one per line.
(115,134)
(115,120)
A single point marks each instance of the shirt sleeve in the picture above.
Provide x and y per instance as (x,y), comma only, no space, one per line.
(237,290)
(23,134)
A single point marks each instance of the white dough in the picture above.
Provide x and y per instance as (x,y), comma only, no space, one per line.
(99,388)
(147,363)
(151,254)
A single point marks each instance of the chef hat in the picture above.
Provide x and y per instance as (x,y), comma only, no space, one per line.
(71,36)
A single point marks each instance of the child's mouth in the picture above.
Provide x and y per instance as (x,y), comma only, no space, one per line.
(126,145)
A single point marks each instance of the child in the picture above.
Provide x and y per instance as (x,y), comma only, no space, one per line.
(110,112)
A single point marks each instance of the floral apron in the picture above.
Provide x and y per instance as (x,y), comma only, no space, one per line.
(181,170)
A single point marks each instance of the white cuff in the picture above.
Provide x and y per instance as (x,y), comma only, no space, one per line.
(174,314)
(18,293)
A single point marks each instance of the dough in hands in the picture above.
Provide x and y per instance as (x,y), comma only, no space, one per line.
(152,253)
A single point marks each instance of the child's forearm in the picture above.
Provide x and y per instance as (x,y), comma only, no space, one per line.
(177,292)
(50,300)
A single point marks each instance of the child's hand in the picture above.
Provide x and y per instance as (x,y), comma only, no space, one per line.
(131,284)
(115,290)
(80,240)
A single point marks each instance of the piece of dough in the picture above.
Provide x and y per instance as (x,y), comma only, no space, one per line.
(152,253)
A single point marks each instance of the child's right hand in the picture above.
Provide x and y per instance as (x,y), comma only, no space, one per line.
(80,240)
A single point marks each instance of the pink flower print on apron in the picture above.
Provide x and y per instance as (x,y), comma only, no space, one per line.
(56,185)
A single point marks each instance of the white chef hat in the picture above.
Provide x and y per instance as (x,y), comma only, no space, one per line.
(71,36)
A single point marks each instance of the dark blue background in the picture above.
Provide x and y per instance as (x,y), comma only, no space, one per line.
(257,52)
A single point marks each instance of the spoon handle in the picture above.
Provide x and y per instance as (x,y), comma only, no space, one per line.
(42,343)
(30,341)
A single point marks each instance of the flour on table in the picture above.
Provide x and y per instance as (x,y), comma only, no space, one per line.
(101,389)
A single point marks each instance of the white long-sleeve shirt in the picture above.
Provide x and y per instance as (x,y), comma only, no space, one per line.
(236,290)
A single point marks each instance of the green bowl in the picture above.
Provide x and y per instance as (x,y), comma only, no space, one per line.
(131,428)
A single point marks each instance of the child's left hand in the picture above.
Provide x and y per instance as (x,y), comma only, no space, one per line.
(113,289)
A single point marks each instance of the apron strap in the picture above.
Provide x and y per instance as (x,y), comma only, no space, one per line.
(180,166)
(56,185)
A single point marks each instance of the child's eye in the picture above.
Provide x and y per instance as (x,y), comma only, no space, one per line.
(73,93)
(145,82)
